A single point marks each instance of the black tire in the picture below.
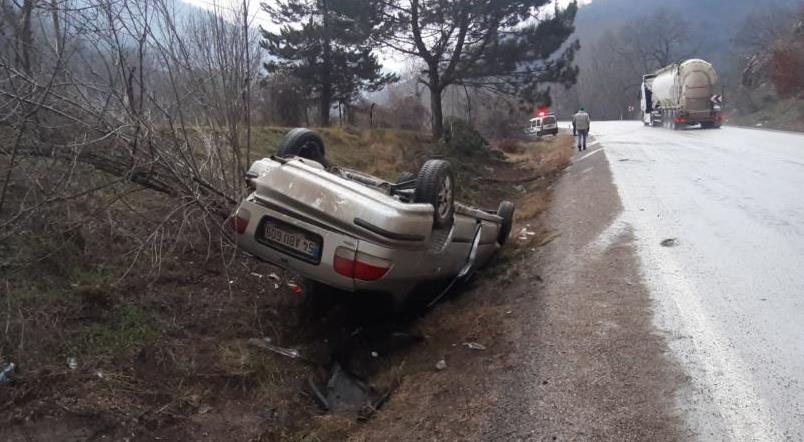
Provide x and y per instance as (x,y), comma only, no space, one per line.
(304,143)
(435,185)
(506,212)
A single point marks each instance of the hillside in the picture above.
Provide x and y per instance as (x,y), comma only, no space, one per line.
(713,27)
(715,22)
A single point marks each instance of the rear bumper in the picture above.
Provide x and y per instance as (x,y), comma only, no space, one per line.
(410,264)
(552,131)
(322,271)
(692,118)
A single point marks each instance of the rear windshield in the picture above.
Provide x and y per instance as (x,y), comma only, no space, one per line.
(549,120)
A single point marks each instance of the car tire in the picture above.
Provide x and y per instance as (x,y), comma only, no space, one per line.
(304,143)
(506,212)
(435,185)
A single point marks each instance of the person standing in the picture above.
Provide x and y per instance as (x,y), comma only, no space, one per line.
(581,123)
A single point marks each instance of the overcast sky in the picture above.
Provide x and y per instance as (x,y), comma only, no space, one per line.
(261,18)
(392,62)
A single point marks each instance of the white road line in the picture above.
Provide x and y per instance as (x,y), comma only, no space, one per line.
(587,155)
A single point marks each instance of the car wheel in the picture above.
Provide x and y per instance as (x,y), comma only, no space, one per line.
(435,185)
(301,142)
(506,212)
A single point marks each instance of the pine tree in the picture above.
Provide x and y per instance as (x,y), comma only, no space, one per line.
(328,46)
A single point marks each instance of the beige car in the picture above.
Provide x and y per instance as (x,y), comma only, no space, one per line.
(357,232)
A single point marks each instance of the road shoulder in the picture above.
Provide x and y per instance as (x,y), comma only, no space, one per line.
(593,364)
(570,348)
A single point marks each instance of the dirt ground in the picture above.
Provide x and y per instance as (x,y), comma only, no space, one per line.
(171,355)
(553,341)
(570,354)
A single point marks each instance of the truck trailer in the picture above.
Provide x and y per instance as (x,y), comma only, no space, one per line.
(682,94)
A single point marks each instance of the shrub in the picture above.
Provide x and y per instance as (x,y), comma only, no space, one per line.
(462,137)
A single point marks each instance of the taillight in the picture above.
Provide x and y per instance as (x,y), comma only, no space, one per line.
(680,120)
(239,221)
(370,268)
(344,262)
(359,265)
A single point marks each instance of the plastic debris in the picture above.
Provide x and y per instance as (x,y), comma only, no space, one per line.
(5,374)
(266,345)
(274,277)
(72,362)
(374,354)
(257,275)
(317,394)
(475,345)
(295,288)
(524,234)
(441,365)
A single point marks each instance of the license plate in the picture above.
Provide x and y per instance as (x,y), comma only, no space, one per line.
(292,239)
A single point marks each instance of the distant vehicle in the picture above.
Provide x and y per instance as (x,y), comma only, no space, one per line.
(356,232)
(682,94)
(544,124)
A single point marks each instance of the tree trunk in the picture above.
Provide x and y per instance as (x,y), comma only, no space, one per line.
(326,86)
(326,96)
(25,39)
(437,123)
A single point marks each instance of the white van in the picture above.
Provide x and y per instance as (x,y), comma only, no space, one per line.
(543,125)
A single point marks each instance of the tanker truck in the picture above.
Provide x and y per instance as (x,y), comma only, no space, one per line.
(682,94)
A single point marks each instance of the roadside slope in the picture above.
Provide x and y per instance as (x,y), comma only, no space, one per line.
(571,350)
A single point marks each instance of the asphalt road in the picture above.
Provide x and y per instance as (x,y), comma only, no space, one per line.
(718,221)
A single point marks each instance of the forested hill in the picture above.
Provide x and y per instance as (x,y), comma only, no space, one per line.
(713,22)
(611,32)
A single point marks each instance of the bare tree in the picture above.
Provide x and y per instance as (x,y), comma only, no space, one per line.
(620,57)
(511,47)
(142,91)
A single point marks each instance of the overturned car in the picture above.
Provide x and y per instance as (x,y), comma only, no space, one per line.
(357,232)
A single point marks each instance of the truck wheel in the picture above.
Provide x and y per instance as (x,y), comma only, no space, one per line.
(435,185)
(301,142)
(506,212)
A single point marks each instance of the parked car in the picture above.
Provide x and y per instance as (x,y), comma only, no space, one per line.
(543,125)
(357,232)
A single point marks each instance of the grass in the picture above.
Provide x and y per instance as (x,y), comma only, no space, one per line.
(388,152)
(184,333)
(381,152)
(784,114)
(128,329)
